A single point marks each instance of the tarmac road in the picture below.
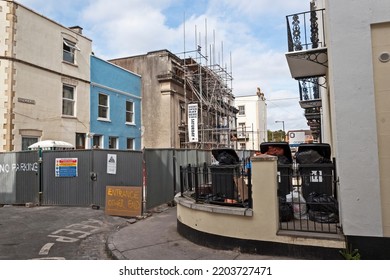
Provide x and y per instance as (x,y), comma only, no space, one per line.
(55,232)
(83,233)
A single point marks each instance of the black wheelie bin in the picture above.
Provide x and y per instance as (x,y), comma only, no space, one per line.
(316,168)
(224,187)
(284,166)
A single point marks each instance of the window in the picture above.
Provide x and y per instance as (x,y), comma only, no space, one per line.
(113,142)
(130,143)
(80,140)
(28,141)
(104,109)
(129,112)
(68,100)
(97,141)
(241,110)
(182,113)
(68,53)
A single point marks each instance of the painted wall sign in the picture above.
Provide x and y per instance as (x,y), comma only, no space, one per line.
(125,201)
(26,100)
(66,167)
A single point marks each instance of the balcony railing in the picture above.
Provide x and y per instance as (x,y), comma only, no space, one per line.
(306,30)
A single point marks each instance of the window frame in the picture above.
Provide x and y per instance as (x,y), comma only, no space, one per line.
(241,110)
(132,113)
(69,49)
(105,106)
(68,100)
(31,139)
(97,141)
(132,143)
(111,140)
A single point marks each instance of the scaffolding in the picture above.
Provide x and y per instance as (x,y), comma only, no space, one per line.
(209,85)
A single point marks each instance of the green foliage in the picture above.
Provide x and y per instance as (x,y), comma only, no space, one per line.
(276,136)
(350,254)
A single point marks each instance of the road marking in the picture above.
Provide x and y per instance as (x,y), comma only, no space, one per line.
(50,258)
(45,249)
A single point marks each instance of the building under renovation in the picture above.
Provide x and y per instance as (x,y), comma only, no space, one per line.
(186,102)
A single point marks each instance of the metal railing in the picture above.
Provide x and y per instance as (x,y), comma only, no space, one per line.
(306,192)
(227,185)
(306,30)
(310,204)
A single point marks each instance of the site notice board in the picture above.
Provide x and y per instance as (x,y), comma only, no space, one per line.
(125,201)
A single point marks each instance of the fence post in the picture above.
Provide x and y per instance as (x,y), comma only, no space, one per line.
(196,183)
(250,202)
(181,181)
(189,176)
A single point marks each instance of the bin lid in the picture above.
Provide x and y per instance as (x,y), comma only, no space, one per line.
(220,155)
(322,148)
(284,145)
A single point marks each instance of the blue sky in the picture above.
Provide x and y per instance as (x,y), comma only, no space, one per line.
(251,34)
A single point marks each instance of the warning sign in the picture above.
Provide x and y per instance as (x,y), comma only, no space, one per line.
(111,164)
(125,201)
(66,167)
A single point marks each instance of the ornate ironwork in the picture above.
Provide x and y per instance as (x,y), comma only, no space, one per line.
(296,33)
(314,27)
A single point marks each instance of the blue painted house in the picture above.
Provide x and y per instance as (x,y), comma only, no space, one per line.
(115,107)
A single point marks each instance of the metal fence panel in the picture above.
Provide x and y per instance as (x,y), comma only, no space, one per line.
(19,177)
(59,189)
(128,171)
(160,176)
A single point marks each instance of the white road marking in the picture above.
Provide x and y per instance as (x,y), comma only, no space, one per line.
(45,249)
(50,258)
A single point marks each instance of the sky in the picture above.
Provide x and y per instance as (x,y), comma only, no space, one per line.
(247,38)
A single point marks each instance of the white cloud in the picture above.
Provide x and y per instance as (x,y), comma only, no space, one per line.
(252,32)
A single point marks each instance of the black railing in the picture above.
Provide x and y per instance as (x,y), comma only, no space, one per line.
(307,192)
(306,30)
(309,89)
(228,185)
(310,204)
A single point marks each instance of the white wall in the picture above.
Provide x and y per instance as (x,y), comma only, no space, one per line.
(256,117)
(353,111)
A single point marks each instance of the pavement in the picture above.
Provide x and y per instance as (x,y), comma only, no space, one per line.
(156,238)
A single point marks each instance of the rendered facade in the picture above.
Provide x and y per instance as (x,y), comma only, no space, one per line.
(352,56)
(169,86)
(115,107)
(251,121)
(45,75)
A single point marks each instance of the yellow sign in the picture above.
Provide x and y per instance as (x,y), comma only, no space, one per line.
(125,201)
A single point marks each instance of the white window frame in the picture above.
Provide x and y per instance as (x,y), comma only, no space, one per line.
(132,143)
(113,142)
(241,110)
(106,106)
(69,49)
(71,101)
(99,139)
(130,112)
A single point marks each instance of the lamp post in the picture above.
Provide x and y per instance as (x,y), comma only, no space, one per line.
(284,133)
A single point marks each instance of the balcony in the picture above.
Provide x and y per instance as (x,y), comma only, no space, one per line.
(309,93)
(307,52)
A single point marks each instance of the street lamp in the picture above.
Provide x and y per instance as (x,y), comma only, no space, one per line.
(284,133)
